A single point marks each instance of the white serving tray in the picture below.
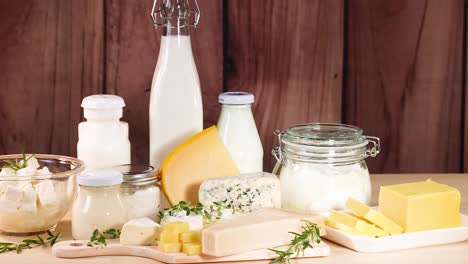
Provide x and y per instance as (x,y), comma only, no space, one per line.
(398,242)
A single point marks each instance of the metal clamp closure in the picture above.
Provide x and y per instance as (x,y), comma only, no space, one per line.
(375,148)
(160,14)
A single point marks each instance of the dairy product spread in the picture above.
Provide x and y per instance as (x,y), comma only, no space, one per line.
(363,227)
(263,228)
(140,232)
(247,192)
(421,205)
(31,205)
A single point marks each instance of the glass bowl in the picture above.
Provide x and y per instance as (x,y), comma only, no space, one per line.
(34,204)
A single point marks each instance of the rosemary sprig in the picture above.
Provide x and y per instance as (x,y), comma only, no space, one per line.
(17,164)
(209,212)
(310,235)
(29,243)
(99,239)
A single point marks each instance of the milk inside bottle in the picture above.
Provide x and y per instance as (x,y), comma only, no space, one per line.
(176,111)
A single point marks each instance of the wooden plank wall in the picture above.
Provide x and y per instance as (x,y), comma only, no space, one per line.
(392,67)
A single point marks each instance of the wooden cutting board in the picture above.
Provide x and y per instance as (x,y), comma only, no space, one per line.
(79,249)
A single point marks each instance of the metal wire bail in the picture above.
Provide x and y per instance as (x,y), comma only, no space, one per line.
(159,14)
(375,148)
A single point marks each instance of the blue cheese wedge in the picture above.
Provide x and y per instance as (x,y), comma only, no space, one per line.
(247,192)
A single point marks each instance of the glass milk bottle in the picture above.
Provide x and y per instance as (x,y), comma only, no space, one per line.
(236,126)
(103,138)
(176,111)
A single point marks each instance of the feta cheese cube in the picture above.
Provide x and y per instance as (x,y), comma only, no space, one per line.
(46,192)
(7,172)
(26,172)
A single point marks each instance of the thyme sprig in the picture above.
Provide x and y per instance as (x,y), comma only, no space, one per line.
(307,239)
(99,239)
(17,164)
(29,243)
(210,212)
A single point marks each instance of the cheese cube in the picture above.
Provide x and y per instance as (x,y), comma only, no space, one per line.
(356,223)
(168,237)
(192,248)
(373,216)
(195,221)
(177,227)
(421,205)
(169,247)
(140,232)
(345,228)
(190,237)
(264,228)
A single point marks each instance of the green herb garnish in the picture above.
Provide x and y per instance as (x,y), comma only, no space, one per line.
(310,235)
(210,213)
(17,164)
(99,239)
(29,243)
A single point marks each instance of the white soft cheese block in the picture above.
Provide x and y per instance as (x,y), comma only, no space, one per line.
(247,191)
(263,228)
(140,232)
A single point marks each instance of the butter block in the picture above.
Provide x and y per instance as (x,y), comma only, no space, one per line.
(168,237)
(192,248)
(190,237)
(373,216)
(140,232)
(344,228)
(169,247)
(354,222)
(260,229)
(422,205)
(177,227)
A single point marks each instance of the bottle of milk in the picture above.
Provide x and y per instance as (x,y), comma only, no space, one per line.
(237,128)
(176,111)
(103,138)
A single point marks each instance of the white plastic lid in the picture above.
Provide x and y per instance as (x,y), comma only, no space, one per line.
(102,177)
(236,98)
(103,106)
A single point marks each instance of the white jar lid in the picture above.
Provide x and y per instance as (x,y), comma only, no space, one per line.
(103,106)
(236,98)
(102,177)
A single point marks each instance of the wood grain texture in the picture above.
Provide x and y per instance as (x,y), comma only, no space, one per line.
(50,57)
(289,54)
(404,81)
(132,52)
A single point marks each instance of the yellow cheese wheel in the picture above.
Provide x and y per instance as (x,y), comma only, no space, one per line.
(201,157)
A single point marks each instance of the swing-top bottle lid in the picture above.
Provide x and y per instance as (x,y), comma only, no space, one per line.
(166,10)
(236,98)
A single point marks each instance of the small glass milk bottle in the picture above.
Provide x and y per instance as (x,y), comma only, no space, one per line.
(99,203)
(236,126)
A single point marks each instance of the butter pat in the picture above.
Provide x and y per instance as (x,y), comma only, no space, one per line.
(140,232)
(373,216)
(344,228)
(421,205)
(354,222)
(263,228)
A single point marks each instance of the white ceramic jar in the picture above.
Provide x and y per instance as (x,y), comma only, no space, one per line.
(236,126)
(140,191)
(99,204)
(322,165)
(103,138)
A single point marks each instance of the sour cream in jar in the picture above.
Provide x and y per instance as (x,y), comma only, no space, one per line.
(322,165)
(99,203)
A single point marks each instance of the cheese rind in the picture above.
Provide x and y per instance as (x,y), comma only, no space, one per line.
(354,222)
(421,206)
(203,156)
(373,216)
(264,228)
(140,232)
(247,191)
